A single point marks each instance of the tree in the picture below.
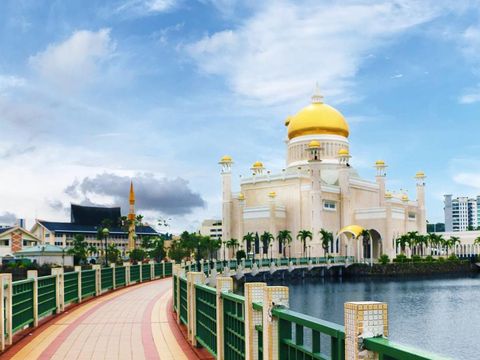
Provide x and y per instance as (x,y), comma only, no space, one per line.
(248,238)
(284,237)
(92,250)
(137,255)
(327,239)
(157,248)
(303,235)
(232,244)
(139,220)
(113,253)
(403,241)
(266,238)
(78,249)
(476,241)
(450,243)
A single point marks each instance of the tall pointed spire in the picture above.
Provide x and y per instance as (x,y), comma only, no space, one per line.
(132,193)
(317,97)
(131,217)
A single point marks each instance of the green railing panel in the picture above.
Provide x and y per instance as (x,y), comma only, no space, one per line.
(168,268)
(70,287)
(233,326)
(22,304)
(120,277)
(388,350)
(146,272)
(183,301)
(134,273)
(294,347)
(259,330)
(174,278)
(47,295)
(158,270)
(248,263)
(88,283)
(206,317)
(106,276)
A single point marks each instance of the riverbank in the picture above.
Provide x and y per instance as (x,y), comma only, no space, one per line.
(411,268)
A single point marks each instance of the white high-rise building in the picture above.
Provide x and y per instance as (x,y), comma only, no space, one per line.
(461,213)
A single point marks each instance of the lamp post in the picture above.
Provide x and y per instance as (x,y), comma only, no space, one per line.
(105,233)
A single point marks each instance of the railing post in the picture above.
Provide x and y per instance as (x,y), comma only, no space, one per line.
(98,279)
(163,269)
(223,284)
(58,272)
(152,269)
(78,269)
(192,279)
(140,266)
(273,296)
(127,273)
(176,270)
(6,290)
(33,274)
(363,320)
(114,285)
(253,293)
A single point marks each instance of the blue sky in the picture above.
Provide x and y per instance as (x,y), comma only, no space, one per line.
(95,93)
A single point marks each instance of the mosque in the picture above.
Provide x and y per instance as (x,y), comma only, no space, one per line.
(319,189)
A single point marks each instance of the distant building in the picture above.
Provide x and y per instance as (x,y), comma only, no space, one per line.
(438,227)
(46,254)
(15,238)
(88,220)
(461,213)
(212,228)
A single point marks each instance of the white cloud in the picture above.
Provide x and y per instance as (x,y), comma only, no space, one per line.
(10,81)
(470,96)
(74,62)
(281,51)
(145,7)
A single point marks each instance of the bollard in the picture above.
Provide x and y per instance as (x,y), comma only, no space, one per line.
(273,296)
(58,272)
(33,274)
(127,273)
(192,279)
(223,284)
(363,319)
(253,293)
(78,269)
(114,285)
(98,279)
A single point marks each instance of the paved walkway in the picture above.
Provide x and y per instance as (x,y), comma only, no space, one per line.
(132,323)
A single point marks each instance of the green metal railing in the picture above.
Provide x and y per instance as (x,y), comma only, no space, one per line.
(146,272)
(47,295)
(107,278)
(388,350)
(206,317)
(175,292)
(88,283)
(134,273)
(22,304)
(294,347)
(158,270)
(233,326)
(70,287)
(168,269)
(120,277)
(183,301)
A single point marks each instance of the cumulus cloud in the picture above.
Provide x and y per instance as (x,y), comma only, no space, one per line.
(168,196)
(279,52)
(145,7)
(10,81)
(74,62)
(470,96)
(7,218)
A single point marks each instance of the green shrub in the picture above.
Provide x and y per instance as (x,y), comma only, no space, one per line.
(453,257)
(240,255)
(401,258)
(416,258)
(429,258)
(384,259)
(441,259)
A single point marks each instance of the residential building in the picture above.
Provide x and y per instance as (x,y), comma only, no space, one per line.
(461,213)
(212,228)
(15,238)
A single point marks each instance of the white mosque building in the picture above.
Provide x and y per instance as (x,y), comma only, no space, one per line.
(319,189)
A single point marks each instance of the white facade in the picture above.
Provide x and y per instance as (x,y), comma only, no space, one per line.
(212,228)
(461,213)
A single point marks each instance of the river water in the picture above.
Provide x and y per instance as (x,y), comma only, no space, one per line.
(441,315)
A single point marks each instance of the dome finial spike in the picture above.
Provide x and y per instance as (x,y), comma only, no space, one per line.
(317,97)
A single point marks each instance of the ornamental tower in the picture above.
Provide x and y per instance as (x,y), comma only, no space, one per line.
(314,162)
(421,218)
(226,163)
(131,219)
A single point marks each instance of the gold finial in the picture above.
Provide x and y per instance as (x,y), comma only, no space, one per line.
(317,97)
(132,194)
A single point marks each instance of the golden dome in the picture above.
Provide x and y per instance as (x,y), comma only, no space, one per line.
(343,152)
(379,163)
(226,159)
(257,165)
(272,194)
(314,144)
(388,195)
(404,197)
(420,175)
(241,196)
(317,118)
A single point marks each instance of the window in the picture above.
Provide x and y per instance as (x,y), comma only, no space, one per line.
(47,235)
(411,215)
(329,205)
(4,242)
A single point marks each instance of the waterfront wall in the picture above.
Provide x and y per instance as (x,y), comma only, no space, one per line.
(411,268)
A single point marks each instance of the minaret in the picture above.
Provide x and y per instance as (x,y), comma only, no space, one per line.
(272,226)
(344,183)
(316,204)
(226,163)
(380,178)
(131,219)
(421,216)
(241,227)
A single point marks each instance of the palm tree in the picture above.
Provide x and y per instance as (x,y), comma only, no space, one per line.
(450,243)
(284,237)
(232,244)
(266,238)
(303,235)
(327,239)
(476,241)
(403,241)
(92,249)
(365,234)
(422,240)
(249,239)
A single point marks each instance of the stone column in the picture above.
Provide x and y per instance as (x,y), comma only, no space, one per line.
(163,269)
(421,212)
(78,269)
(316,204)
(345,196)
(6,322)
(272,224)
(114,284)
(140,269)
(273,296)
(223,284)
(253,293)
(98,279)
(192,279)
(363,320)
(152,269)
(33,274)
(226,201)
(58,272)
(127,273)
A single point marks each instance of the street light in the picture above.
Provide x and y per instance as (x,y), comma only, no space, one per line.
(105,233)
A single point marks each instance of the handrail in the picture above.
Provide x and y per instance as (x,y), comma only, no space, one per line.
(206,288)
(397,351)
(233,297)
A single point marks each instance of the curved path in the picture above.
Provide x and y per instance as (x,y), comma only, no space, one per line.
(132,323)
